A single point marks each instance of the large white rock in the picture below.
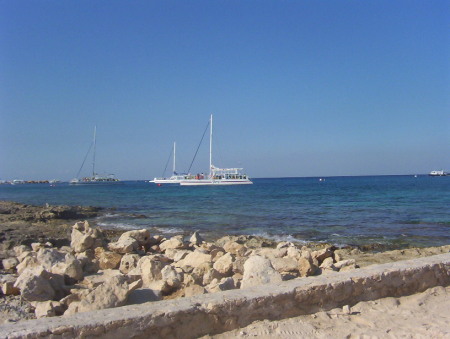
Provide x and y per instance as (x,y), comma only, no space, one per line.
(84,237)
(196,239)
(96,279)
(258,271)
(10,263)
(223,285)
(71,268)
(124,245)
(128,262)
(306,267)
(107,259)
(150,267)
(29,261)
(111,293)
(171,277)
(283,265)
(194,259)
(173,243)
(235,248)
(224,265)
(34,285)
(46,309)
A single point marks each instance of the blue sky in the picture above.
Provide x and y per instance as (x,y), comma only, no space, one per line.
(297,88)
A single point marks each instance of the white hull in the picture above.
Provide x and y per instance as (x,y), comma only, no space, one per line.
(215,182)
(165,181)
(95,182)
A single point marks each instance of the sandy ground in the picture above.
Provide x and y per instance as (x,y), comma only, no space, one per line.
(422,315)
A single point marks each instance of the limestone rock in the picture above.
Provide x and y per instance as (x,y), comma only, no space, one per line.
(83,237)
(36,246)
(34,285)
(235,248)
(18,250)
(8,288)
(150,267)
(10,263)
(172,278)
(102,276)
(222,285)
(306,267)
(328,264)
(111,293)
(194,259)
(70,268)
(128,262)
(194,289)
(107,259)
(224,265)
(143,295)
(141,236)
(321,255)
(210,275)
(124,245)
(345,263)
(283,265)
(173,243)
(45,309)
(293,252)
(257,271)
(196,238)
(27,262)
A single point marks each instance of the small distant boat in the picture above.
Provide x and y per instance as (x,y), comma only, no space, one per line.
(440,173)
(17,182)
(95,178)
(175,178)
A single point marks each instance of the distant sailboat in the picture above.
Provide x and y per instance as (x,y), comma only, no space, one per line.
(95,178)
(175,178)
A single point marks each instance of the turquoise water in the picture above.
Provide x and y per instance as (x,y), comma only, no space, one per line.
(395,211)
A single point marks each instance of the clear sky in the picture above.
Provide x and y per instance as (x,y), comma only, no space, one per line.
(297,88)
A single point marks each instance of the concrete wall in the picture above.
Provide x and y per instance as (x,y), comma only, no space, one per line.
(223,311)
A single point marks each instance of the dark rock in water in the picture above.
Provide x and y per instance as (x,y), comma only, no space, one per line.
(13,211)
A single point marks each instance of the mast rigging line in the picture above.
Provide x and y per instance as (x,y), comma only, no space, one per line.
(85,157)
(198,147)
(167,163)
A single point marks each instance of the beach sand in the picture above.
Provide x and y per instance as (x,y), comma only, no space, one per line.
(422,315)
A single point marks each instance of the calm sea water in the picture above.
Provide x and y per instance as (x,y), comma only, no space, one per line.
(395,211)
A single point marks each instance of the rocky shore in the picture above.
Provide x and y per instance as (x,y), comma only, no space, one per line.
(52,265)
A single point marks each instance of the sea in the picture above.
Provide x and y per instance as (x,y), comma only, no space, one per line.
(384,211)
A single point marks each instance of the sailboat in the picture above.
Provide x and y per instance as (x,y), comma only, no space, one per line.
(95,178)
(216,176)
(175,178)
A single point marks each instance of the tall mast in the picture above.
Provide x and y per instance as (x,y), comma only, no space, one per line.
(93,159)
(174,152)
(210,145)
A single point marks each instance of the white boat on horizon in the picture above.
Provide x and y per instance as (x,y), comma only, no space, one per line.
(216,176)
(95,179)
(440,173)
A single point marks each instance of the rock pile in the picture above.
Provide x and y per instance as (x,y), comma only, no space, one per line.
(93,274)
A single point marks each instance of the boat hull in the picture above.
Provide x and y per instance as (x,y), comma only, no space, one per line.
(215,182)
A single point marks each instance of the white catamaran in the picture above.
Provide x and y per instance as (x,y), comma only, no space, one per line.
(216,176)
(95,178)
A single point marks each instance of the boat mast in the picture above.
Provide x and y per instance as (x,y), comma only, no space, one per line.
(210,145)
(93,159)
(174,149)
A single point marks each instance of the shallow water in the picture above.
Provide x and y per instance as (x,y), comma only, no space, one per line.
(390,210)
